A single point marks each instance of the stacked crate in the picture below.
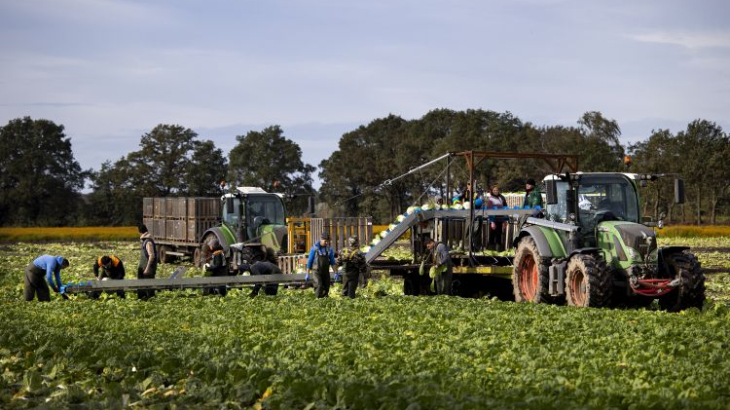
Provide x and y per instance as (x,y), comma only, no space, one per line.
(180,220)
(340,229)
(202,214)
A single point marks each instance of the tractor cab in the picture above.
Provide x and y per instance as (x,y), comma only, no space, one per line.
(254,216)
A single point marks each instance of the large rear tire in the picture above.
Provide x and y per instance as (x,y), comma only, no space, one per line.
(691,291)
(588,282)
(530,276)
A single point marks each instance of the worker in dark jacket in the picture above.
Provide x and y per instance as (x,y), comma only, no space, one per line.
(40,273)
(353,264)
(217,267)
(111,268)
(263,268)
(441,260)
(322,259)
(533,196)
(147,268)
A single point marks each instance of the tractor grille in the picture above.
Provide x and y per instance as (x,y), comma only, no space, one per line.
(634,236)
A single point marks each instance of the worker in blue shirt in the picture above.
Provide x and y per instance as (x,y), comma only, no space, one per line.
(40,273)
(324,257)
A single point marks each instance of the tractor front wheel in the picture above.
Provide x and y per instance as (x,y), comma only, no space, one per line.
(588,282)
(691,291)
(530,276)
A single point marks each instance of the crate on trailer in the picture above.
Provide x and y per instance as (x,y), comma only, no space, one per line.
(204,208)
(149,223)
(148,207)
(176,207)
(159,211)
(158,228)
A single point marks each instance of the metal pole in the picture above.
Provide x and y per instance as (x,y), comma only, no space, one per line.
(470,198)
(447,202)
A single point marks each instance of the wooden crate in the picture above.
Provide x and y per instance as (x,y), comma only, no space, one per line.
(160,209)
(176,207)
(148,207)
(340,229)
(204,208)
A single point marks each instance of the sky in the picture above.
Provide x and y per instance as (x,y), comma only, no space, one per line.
(111,70)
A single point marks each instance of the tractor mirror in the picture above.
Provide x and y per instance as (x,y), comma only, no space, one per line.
(229,205)
(551,193)
(678,191)
(310,205)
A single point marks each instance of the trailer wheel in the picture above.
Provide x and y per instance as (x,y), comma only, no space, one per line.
(164,257)
(197,258)
(530,277)
(691,291)
(588,282)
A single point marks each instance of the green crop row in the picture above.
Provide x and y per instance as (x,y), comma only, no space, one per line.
(291,351)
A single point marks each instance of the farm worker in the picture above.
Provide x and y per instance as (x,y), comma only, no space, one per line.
(40,273)
(441,260)
(263,268)
(496,223)
(353,264)
(533,197)
(147,268)
(216,266)
(324,257)
(111,268)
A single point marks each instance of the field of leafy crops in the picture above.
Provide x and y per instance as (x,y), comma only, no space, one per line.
(381,350)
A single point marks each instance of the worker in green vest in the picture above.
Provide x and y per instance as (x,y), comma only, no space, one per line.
(353,264)
(533,197)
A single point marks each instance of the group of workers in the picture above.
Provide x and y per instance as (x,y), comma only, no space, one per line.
(44,270)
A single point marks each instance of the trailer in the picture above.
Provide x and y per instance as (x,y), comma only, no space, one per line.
(249,223)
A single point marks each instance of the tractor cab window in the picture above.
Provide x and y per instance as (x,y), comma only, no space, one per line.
(559,212)
(606,198)
(232,219)
(268,208)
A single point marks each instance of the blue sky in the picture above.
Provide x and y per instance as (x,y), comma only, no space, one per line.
(110,70)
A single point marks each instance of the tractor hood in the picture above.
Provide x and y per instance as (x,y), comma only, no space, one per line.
(637,237)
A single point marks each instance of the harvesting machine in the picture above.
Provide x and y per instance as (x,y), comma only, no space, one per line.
(588,247)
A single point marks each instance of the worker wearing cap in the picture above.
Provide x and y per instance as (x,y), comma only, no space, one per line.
(353,264)
(111,268)
(40,273)
(216,266)
(533,197)
(322,258)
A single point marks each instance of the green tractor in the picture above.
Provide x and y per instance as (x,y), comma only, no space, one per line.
(592,248)
(253,227)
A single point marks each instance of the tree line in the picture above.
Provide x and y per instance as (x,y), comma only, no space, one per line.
(41,183)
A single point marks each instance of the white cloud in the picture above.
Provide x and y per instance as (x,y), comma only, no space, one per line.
(691,40)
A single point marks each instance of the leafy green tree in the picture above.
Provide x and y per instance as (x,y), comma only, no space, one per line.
(207,168)
(704,158)
(39,177)
(269,160)
(114,199)
(160,167)
(659,154)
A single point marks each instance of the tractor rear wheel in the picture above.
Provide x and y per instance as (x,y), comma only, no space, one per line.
(691,291)
(530,277)
(588,282)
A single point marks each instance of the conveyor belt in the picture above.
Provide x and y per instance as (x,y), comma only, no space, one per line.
(418,216)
